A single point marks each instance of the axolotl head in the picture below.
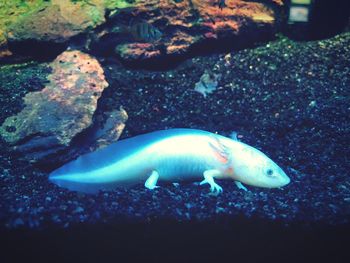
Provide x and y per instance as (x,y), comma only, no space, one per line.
(252,167)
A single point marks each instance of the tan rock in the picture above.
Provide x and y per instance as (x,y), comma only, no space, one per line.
(53,116)
(58,21)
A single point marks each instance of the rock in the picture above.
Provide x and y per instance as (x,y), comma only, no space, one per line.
(185,26)
(57,21)
(53,116)
(4,51)
(207,83)
(43,29)
(139,30)
(109,130)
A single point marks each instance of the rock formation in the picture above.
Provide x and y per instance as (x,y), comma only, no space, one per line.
(55,115)
(126,29)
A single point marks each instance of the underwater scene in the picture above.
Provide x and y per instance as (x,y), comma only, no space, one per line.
(174,130)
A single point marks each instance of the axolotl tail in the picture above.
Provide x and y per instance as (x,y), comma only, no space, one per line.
(121,163)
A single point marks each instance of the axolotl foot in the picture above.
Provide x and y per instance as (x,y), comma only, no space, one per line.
(151,182)
(241,186)
(209,178)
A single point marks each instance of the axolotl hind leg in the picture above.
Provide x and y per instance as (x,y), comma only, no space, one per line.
(209,178)
(151,182)
(241,186)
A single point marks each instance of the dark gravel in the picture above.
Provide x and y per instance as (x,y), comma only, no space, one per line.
(289,99)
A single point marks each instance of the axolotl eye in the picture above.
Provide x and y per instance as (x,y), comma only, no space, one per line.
(270,173)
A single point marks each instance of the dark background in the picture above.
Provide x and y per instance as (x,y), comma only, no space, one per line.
(240,240)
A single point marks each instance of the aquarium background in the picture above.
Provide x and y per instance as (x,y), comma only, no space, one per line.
(124,68)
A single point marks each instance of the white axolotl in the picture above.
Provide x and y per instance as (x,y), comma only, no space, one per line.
(173,155)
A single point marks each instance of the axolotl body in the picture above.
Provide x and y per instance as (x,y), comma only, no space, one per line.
(173,155)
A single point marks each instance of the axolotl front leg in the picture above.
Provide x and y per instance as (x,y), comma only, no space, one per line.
(209,178)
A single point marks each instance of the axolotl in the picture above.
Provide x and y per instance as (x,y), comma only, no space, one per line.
(173,155)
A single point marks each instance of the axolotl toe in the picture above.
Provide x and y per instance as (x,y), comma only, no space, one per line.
(173,155)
